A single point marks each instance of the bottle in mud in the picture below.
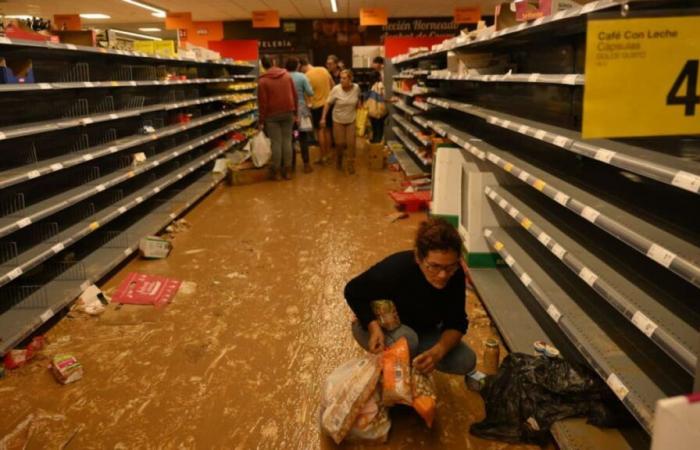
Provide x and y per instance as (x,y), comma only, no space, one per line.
(491,356)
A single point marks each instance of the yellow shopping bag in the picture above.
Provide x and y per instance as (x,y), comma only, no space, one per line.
(361,121)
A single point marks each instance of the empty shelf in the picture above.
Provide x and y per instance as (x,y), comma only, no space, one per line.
(408,165)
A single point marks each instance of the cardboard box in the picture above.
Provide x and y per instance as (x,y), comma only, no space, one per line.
(153,247)
(164,48)
(248,176)
(144,47)
(504,16)
(87,38)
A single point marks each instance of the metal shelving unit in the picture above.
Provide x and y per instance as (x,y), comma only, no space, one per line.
(413,131)
(589,244)
(75,200)
(407,163)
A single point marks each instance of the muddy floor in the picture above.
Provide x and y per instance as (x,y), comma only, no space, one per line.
(237,361)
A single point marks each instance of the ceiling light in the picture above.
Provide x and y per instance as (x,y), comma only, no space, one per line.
(19,17)
(95,16)
(156,12)
(151,30)
(334,5)
(136,35)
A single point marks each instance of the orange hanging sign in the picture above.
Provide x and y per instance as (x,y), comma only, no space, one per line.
(467,15)
(373,17)
(69,22)
(178,20)
(266,19)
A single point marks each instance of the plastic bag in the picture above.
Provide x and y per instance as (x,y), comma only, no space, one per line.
(361,122)
(386,314)
(260,149)
(345,394)
(305,122)
(396,374)
(424,396)
(529,394)
(373,423)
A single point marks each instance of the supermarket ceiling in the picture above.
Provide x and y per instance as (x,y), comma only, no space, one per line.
(121,11)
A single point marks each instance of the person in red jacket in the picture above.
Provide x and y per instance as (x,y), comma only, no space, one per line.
(277,106)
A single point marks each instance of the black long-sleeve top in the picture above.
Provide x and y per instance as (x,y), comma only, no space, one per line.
(420,305)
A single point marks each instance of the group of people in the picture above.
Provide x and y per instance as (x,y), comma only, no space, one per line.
(301,99)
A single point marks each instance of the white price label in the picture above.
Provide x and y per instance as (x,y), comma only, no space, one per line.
(87,121)
(616,385)
(44,86)
(122,209)
(173,215)
(113,116)
(661,255)
(540,134)
(559,251)
(561,141)
(113,149)
(505,123)
(503,204)
(4,40)
(100,188)
(57,166)
(561,198)
(493,158)
(71,46)
(523,129)
(590,214)
(2,136)
(33,174)
(523,175)
(604,155)
(525,279)
(569,79)
(46,315)
(544,238)
(87,157)
(510,261)
(24,222)
(88,84)
(156,189)
(533,77)
(57,248)
(487,233)
(128,251)
(559,15)
(644,323)
(14,274)
(139,199)
(554,313)
(586,275)
(683,180)
(513,212)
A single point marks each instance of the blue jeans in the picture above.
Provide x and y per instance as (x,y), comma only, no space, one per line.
(279,129)
(461,360)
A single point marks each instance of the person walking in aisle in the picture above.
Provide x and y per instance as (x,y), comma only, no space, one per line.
(378,66)
(304,125)
(333,66)
(321,84)
(277,106)
(345,98)
(376,108)
(427,286)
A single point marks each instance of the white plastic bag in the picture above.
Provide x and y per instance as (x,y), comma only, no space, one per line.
(260,149)
(346,393)
(373,423)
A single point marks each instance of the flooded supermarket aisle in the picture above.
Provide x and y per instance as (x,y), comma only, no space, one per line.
(239,358)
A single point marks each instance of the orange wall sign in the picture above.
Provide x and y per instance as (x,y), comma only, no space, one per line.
(467,15)
(266,19)
(200,33)
(70,22)
(373,16)
(178,20)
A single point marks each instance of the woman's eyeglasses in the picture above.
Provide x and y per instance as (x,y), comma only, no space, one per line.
(435,269)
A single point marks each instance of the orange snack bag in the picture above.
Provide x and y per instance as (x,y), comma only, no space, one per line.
(396,374)
(424,397)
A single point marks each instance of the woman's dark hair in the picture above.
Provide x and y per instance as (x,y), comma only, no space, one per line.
(292,64)
(378,60)
(437,234)
(266,62)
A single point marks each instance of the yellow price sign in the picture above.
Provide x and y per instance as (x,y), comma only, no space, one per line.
(642,77)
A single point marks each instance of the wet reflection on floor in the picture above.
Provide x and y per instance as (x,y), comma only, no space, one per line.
(238,362)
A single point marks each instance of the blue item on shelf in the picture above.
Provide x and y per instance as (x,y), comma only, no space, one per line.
(17,72)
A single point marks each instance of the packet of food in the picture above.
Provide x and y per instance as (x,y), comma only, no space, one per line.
(373,423)
(66,369)
(347,390)
(396,374)
(424,396)
(386,314)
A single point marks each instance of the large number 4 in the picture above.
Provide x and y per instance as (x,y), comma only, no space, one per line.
(689,74)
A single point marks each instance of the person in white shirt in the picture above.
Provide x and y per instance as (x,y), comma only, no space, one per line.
(345,98)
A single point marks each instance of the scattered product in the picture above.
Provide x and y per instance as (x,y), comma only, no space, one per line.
(17,358)
(138,158)
(154,247)
(92,301)
(393,217)
(476,380)
(396,375)
(144,289)
(66,369)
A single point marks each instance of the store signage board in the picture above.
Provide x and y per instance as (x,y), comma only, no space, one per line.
(642,77)
(266,19)
(467,15)
(373,17)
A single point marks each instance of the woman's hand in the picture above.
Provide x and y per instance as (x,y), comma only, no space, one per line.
(426,361)
(376,337)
